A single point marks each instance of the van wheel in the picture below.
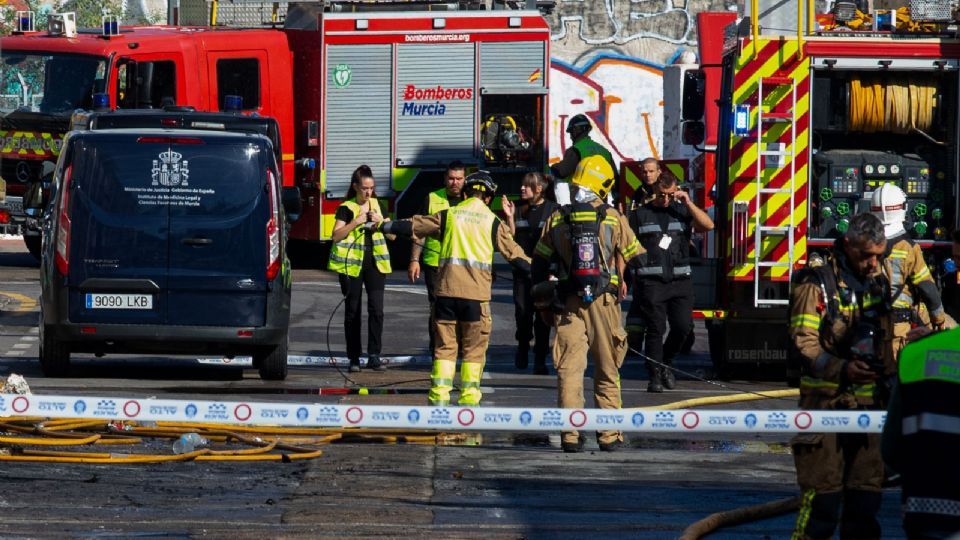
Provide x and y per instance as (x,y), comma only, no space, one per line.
(54,355)
(33,244)
(272,363)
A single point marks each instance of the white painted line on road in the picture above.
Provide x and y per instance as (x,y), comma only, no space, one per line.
(299,360)
(22,345)
(15,353)
(29,338)
(412,289)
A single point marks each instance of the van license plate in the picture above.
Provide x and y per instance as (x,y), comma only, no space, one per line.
(119,301)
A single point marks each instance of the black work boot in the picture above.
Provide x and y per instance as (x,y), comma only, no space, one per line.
(540,365)
(655,385)
(574,447)
(668,378)
(374,363)
(521,359)
(859,517)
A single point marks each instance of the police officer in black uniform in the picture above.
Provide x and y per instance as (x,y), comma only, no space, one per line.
(918,441)
(664,225)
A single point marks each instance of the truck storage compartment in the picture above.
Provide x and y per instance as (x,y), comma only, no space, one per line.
(880,125)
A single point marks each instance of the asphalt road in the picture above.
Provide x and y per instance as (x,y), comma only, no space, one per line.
(497,485)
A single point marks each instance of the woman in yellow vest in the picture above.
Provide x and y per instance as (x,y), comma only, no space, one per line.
(361,258)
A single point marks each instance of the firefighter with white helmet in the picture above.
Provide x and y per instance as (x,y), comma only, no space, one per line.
(468,233)
(584,239)
(910,280)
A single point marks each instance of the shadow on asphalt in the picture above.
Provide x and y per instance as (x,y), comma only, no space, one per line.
(172,369)
(19,260)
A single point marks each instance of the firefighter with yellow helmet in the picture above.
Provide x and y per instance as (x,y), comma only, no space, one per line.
(584,238)
(468,233)
(910,281)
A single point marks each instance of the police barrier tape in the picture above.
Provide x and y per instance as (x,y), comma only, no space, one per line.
(441,418)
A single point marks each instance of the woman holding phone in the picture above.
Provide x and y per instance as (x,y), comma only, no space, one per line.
(359,254)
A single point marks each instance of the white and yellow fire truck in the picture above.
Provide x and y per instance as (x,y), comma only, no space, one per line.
(801,117)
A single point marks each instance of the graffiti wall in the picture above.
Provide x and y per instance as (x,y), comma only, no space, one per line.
(607,63)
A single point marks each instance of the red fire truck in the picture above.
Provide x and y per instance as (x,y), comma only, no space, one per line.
(404,87)
(795,132)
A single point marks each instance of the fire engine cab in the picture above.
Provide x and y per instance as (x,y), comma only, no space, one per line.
(794,130)
(404,87)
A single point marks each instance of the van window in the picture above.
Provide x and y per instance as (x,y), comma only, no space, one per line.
(122,176)
(239,77)
(146,85)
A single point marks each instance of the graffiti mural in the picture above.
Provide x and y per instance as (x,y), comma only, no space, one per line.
(607,62)
(621,96)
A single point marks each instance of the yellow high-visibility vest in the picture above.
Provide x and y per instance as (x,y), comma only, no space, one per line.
(346,256)
(467,238)
(436,202)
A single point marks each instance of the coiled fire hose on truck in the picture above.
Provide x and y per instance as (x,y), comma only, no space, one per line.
(884,106)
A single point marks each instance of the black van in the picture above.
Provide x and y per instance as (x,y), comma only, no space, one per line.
(168,241)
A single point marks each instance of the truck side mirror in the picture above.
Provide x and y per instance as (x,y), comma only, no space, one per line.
(693,133)
(292,205)
(694,93)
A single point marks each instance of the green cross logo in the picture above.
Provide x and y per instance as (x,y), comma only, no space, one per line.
(342,75)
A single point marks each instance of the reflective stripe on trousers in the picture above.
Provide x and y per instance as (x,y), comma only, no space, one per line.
(470,375)
(929,505)
(441,378)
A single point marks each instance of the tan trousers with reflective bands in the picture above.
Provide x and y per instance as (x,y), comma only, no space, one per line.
(593,328)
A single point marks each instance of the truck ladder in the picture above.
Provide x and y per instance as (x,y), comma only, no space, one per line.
(762,231)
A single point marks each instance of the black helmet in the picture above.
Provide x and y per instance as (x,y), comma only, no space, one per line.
(480,181)
(579,124)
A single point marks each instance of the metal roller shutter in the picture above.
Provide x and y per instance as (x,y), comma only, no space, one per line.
(358,115)
(513,65)
(435,103)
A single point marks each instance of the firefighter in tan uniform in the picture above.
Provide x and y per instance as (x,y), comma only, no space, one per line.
(836,312)
(910,280)
(585,238)
(468,233)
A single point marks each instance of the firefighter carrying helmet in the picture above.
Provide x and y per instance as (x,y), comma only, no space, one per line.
(594,173)
(480,181)
(890,205)
(579,124)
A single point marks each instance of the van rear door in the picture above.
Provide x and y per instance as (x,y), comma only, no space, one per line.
(219,211)
(118,235)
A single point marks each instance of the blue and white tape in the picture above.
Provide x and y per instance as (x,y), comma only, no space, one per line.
(442,418)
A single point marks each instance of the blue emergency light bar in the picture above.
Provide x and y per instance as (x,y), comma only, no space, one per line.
(111,25)
(25,21)
(232,103)
(741,120)
(101,101)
